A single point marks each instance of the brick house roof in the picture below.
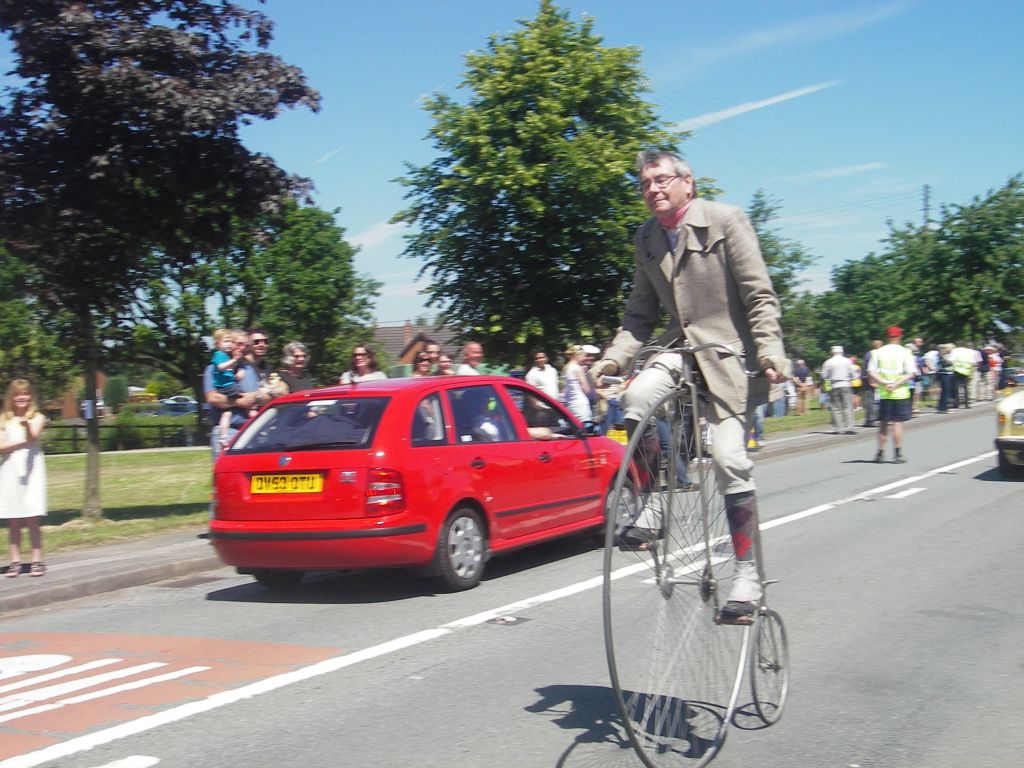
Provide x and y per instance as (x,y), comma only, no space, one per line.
(402,342)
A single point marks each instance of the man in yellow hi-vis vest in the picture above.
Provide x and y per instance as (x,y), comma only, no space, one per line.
(892,367)
(963,362)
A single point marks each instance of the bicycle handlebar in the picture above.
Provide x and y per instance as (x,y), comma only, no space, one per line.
(691,351)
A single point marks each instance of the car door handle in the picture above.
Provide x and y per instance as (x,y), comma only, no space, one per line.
(478,463)
(545,457)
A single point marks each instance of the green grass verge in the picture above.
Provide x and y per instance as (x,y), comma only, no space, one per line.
(142,493)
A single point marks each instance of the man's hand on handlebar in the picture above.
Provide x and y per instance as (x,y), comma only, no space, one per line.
(601,368)
(773,376)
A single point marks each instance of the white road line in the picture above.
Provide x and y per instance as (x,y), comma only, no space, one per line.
(53,691)
(15,666)
(217,700)
(103,692)
(58,674)
(135,761)
(904,494)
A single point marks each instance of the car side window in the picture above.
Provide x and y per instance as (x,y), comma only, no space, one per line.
(538,412)
(480,416)
(428,422)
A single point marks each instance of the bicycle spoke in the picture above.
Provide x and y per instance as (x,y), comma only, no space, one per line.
(675,671)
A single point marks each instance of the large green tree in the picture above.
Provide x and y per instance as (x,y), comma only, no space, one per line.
(524,220)
(786,259)
(120,137)
(33,346)
(960,277)
(292,275)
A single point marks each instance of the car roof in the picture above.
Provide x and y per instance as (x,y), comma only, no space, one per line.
(391,387)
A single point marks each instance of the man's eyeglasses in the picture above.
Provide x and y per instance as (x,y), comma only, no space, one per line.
(258,341)
(661,182)
(360,354)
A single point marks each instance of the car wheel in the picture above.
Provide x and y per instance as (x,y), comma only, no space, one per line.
(278,579)
(461,548)
(1008,470)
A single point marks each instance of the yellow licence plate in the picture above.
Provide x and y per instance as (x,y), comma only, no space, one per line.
(618,435)
(287,483)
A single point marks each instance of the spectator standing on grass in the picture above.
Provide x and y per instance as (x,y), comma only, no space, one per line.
(433,351)
(803,380)
(228,361)
(944,374)
(543,375)
(420,365)
(252,397)
(445,365)
(472,358)
(869,398)
(838,373)
(577,384)
(292,376)
(364,366)
(893,370)
(22,474)
(259,345)
(964,365)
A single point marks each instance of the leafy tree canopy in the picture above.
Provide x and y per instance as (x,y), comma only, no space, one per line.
(525,218)
(122,133)
(292,275)
(119,137)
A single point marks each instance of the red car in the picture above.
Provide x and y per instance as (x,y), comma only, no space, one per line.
(432,473)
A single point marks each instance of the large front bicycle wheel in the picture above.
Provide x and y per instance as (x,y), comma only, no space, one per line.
(668,568)
(769,666)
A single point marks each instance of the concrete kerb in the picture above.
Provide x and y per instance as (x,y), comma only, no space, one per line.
(109,567)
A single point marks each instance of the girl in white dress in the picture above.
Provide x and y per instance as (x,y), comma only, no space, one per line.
(22,474)
(577,387)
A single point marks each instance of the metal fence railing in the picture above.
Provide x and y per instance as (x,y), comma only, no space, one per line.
(64,438)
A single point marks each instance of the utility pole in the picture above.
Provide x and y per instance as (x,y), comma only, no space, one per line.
(924,204)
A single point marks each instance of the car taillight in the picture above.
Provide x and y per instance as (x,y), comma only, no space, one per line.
(384,492)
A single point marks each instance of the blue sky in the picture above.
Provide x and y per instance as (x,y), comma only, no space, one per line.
(842,110)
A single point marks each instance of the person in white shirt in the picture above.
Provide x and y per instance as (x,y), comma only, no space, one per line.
(472,357)
(543,375)
(838,373)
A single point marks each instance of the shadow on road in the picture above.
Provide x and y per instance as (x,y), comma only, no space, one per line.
(359,587)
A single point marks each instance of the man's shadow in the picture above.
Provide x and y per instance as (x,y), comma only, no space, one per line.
(592,711)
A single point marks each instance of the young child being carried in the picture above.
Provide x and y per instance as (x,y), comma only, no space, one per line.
(228,360)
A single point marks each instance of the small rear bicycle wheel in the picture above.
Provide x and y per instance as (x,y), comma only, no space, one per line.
(769,666)
(676,673)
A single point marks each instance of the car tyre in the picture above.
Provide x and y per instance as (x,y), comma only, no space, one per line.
(1008,470)
(461,550)
(271,579)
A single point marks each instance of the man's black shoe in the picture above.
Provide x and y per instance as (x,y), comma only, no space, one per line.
(879,458)
(898,459)
(638,539)
(735,612)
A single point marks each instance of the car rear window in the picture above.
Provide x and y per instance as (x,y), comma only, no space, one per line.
(311,425)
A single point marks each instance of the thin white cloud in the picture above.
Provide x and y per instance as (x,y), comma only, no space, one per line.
(377,234)
(324,158)
(840,171)
(811,30)
(693,123)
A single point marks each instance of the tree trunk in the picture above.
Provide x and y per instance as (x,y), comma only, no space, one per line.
(92,508)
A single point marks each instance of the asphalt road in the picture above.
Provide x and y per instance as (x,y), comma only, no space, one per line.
(899,585)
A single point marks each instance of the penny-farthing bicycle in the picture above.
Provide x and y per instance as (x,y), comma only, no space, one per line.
(676,668)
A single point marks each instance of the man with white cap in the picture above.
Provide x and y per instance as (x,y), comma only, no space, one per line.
(837,376)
